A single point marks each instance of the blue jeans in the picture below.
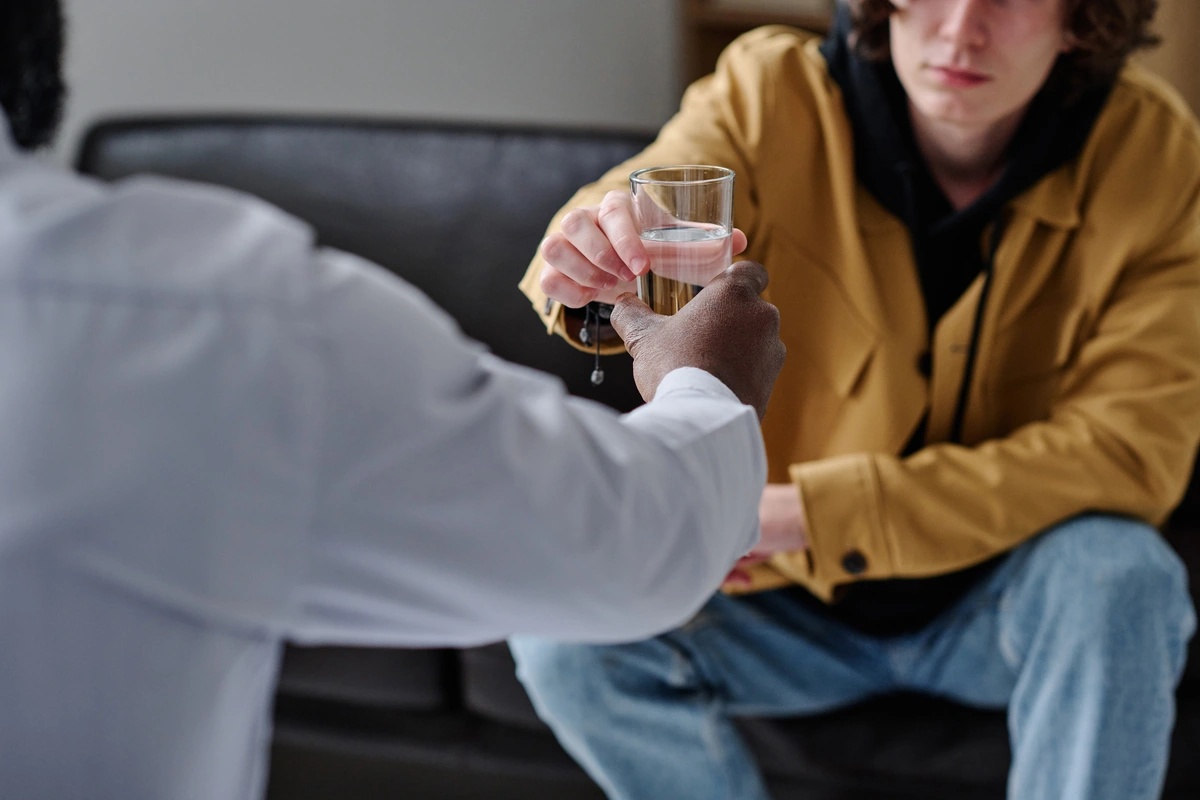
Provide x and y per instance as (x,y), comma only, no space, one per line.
(1080,633)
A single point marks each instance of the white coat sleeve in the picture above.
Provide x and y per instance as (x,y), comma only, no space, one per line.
(462,499)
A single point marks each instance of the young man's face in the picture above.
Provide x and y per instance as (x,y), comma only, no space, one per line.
(975,63)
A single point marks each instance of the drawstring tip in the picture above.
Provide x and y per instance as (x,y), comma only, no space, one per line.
(597,373)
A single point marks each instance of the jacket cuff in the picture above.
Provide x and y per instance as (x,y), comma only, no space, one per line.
(551,313)
(846,531)
(549,310)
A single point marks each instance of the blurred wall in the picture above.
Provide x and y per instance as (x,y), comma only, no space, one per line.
(586,62)
(612,63)
(1178,57)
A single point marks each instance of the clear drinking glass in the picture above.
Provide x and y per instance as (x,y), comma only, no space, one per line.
(685,217)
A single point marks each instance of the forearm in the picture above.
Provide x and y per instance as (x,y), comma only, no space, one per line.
(461,499)
(949,507)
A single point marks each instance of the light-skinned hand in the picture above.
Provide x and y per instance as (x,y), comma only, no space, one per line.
(597,253)
(783,529)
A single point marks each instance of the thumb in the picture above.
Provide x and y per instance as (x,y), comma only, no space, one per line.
(632,319)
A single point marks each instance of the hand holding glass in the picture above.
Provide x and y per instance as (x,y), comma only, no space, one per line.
(685,220)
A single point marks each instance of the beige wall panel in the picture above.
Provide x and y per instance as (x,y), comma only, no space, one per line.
(1178,57)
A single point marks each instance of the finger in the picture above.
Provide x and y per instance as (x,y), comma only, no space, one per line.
(617,222)
(564,257)
(754,557)
(739,241)
(559,287)
(749,274)
(582,229)
(695,262)
(631,319)
(737,579)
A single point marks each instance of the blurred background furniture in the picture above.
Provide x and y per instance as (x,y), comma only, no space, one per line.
(459,210)
(1176,59)
(708,26)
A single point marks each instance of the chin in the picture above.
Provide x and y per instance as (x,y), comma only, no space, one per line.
(976,110)
(953,111)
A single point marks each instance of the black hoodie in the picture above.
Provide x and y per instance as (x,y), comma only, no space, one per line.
(948,247)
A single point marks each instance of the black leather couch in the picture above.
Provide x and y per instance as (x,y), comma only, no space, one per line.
(458,210)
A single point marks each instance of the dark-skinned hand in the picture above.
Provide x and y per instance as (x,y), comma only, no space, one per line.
(726,330)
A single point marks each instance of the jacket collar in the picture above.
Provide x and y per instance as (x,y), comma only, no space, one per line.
(1054,200)
(889,166)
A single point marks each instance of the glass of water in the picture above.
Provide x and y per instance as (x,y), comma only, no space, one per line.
(685,216)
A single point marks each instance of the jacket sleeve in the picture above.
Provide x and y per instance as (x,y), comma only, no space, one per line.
(719,122)
(1120,436)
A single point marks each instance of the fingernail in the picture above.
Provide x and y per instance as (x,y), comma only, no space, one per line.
(641,264)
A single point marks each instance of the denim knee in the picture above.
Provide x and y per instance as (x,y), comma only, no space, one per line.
(556,675)
(1101,576)
(570,682)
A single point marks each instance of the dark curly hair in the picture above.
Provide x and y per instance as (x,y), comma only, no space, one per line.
(1105,32)
(31,82)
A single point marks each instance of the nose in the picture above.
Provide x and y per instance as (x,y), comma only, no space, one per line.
(965,24)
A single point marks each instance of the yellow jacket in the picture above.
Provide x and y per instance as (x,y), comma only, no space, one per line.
(1086,389)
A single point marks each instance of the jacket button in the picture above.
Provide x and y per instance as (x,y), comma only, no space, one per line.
(925,363)
(854,562)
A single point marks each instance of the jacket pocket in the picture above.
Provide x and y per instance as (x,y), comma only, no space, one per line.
(1027,363)
(824,333)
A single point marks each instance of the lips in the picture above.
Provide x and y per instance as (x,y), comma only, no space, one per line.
(956,78)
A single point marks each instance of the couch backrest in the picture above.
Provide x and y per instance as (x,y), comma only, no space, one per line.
(457,210)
